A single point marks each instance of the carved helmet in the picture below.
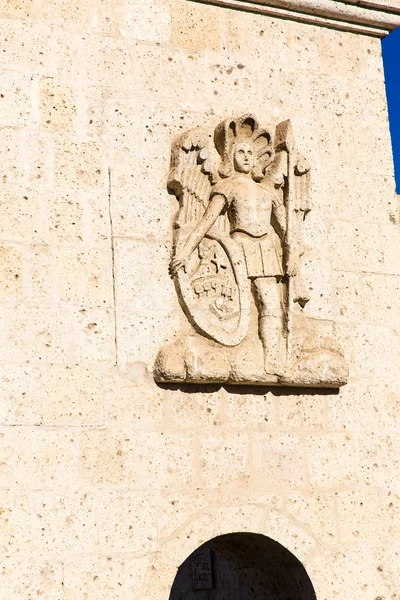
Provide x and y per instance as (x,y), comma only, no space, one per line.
(244,129)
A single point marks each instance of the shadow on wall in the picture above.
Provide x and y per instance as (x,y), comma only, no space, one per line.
(242,566)
(391,63)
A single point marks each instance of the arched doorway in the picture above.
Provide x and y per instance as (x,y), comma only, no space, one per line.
(242,566)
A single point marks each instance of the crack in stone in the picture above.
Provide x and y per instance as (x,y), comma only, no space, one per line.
(113,266)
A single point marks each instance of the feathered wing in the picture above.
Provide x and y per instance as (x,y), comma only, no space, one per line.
(191,177)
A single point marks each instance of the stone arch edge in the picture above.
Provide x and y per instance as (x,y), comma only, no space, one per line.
(248,518)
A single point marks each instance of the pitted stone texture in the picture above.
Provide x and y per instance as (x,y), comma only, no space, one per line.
(108,480)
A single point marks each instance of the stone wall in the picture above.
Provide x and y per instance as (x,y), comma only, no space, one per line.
(108,481)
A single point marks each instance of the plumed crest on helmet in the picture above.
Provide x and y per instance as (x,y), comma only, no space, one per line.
(244,129)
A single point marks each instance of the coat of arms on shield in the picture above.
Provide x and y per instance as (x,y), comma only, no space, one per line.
(243,197)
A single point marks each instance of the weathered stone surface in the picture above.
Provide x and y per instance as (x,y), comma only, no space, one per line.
(109,480)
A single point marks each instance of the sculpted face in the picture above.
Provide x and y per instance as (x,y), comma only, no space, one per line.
(243,158)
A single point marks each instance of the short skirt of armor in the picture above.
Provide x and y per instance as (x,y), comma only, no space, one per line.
(261,255)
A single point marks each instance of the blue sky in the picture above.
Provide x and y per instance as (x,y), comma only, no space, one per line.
(391,62)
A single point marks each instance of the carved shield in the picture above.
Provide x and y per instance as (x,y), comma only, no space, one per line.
(215,291)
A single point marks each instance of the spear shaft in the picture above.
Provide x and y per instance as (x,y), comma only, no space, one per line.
(289,250)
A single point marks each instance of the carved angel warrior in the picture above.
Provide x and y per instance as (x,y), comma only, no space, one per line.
(244,201)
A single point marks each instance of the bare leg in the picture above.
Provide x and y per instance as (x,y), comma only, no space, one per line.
(269,300)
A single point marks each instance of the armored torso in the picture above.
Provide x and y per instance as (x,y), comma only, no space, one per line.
(248,204)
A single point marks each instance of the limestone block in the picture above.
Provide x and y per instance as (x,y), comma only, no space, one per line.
(39,456)
(16,95)
(355,246)
(195,26)
(65,218)
(127,522)
(38,152)
(29,578)
(104,457)
(281,94)
(150,22)
(64,523)
(315,234)
(233,79)
(21,214)
(278,460)
(351,142)
(224,460)
(251,411)
(11,163)
(387,561)
(131,399)
(142,206)
(11,265)
(187,410)
(72,395)
(331,96)
(94,335)
(7,445)
(123,126)
(169,77)
(378,460)
(39,274)
(105,60)
(348,296)
(79,165)
(57,105)
(390,237)
(246,34)
(242,518)
(84,277)
(317,512)
(317,277)
(140,333)
(320,570)
(301,410)
(26,46)
(21,395)
(381,301)
(193,534)
(97,219)
(303,47)
(158,579)
(334,57)
(92,110)
(357,574)
(141,459)
(157,132)
(133,258)
(74,218)
(66,60)
(293,537)
(20,9)
(68,13)
(367,517)
(104,577)
(109,16)
(38,334)
(331,460)
(365,406)
(178,508)
(370,93)
(16,533)
(369,349)
(148,315)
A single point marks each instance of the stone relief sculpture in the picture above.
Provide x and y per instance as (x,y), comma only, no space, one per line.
(237,250)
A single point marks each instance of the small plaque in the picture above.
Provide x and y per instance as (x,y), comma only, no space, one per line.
(202,576)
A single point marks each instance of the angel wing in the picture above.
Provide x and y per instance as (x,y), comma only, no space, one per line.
(191,177)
